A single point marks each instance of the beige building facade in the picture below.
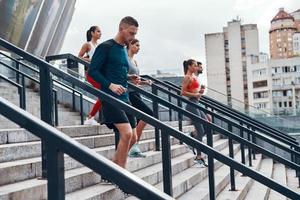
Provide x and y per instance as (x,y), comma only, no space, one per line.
(226,60)
(274,85)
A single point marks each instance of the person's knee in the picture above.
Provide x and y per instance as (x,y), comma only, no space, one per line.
(125,132)
(127,135)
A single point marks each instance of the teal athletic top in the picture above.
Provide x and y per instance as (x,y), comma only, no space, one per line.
(110,64)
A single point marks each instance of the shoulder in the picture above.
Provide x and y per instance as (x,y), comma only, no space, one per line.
(107,44)
(104,47)
(86,45)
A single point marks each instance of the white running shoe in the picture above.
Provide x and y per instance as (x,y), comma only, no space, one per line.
(90,121)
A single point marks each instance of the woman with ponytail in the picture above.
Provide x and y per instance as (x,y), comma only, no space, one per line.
(86,52)
(192,89)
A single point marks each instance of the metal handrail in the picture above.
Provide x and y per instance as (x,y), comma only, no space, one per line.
(81,153)
(220,129)
(38,82)
(229,112)
(167,131)
(225,109)
(20,90)
(237,125)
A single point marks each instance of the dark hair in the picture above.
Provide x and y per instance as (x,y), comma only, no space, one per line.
(89,33)
(130,21)
(186,64)
(132,42)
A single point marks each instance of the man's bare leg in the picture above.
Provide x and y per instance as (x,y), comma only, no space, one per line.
(120,156)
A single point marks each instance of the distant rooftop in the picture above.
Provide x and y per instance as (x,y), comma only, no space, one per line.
(282,15)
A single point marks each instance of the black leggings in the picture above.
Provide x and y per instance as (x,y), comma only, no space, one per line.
(137,102)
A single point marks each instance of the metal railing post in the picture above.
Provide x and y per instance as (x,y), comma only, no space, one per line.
(211,167)
(46,108)
(73,98)
(170,110)
(17,73)
(55,172)
(231,154)
(166,162)
(23,93)
(179,104)
(297,162)
(249,150)
(55,108)
(81,109)
(180,117)
(254,141)
(155,112)
(242,146)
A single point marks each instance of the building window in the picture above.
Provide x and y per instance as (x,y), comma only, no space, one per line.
(286,69)
(290,104)
(285,104)
(259,95)
(277,93)
(260,105)
(258,84)
(284,93)
(280,104)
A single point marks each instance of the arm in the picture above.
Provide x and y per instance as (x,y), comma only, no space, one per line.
(97,65)
(146,82)
(85,48)
(184,91)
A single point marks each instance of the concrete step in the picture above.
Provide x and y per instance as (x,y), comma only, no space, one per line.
(201,188)
(292,180)
(16,151)
(152,175)
(17,135)
(243,183)
(79,178)
(8,136)
(258,191)
(30,168)
(279,175)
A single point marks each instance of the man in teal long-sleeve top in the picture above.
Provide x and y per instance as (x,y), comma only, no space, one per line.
(109,67)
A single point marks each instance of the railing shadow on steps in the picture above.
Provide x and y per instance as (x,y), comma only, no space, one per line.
(250,133)
(166,130)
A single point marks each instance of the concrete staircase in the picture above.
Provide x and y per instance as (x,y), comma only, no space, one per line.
(20,164)
(65,115)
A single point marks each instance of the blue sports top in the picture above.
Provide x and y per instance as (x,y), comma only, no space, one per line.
(110,64)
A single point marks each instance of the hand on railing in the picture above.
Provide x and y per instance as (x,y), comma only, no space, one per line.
(117,89)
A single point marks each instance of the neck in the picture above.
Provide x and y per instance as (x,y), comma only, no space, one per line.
(189,73)
(130,54)
(94,40)
(119,39)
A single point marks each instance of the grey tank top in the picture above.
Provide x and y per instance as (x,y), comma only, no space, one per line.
(133,69)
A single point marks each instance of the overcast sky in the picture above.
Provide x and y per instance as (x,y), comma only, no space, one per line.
(171,31)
